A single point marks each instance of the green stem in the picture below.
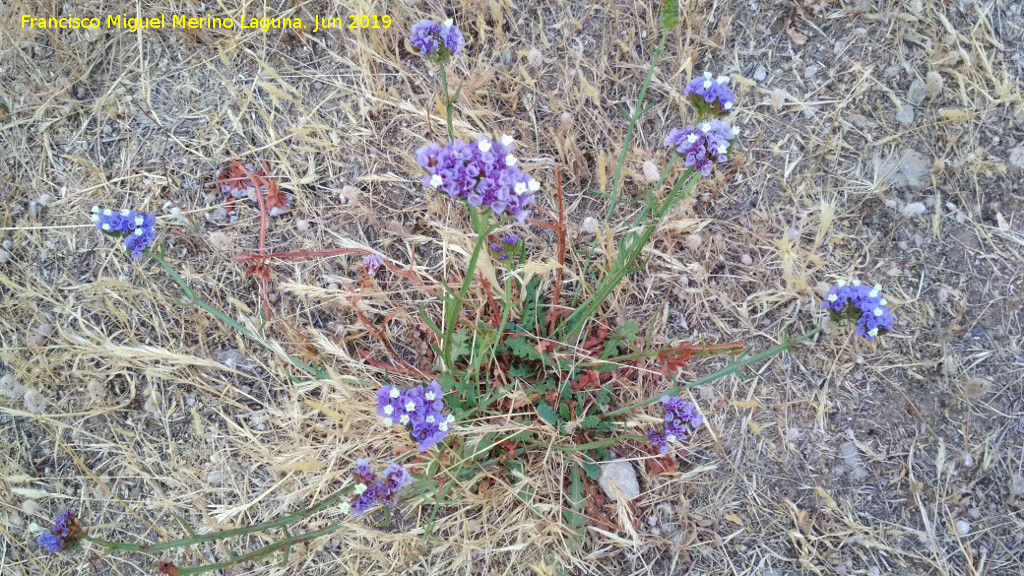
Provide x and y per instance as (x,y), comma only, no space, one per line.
(732,368)
(193,299)
(633,245)
(591,445)
(453,306)
(633,119)
(447,104)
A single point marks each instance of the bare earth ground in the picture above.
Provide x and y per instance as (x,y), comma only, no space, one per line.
(845,457)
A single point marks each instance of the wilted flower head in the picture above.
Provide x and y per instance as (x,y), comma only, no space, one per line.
(372,490)
(138,230)
(704,145)
(371,263)
(485,174)
(65,534)
(418,409)
(709,93)
(858,303)
(439,41)
(679,414)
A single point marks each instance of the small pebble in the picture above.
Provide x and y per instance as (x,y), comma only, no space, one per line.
(34,401)
(302,225)
(905,114)
(589,225)
(760,73)
(651,171)
(1016,158)
(963,528)
(747,260)
(917,92)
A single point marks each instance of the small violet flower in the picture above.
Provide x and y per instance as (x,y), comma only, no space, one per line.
(138,230)
(679,414)
(858,303)
(371,263)
(439,41)
(709,92)
(704,145)
(508,241)
(65,534)
(484,174)
(419,410)
(372,490)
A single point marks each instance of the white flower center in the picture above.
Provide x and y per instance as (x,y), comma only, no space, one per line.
(436,181)
(507,140)
(105,227)
(388,421)
(723,79)
(878,312)
(510,160)
(410,406)
(404,419)
(443,426)
(727,106)
(394,393)
(389,409)
(520,188)
(484,146)
(692,138)
(430,396)
(359,488)
(533,185)
(707,84)
(430,419)
(832,297)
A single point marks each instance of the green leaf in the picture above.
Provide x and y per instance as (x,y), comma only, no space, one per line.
(430,323)
(520,371)
(533,307)
(620,340)
(563,411)
(460,343)
(574,516)
(604,397)
(548,414)
(590,422)
(522,348)
(517,471)
(593,470)
(605,427)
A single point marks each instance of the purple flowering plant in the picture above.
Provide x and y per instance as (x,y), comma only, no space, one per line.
(861,305)
(419,410)
(136,230)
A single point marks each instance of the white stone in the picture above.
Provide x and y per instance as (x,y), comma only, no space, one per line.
(622,474)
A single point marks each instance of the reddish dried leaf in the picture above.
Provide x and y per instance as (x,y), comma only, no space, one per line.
(662,464)
(167,568)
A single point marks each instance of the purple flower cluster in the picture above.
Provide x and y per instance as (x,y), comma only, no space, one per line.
(138,230)
(372,490)
(679,414)
(704,145)
(65,534)
(713,92)
(438,40)
(419,409)
(371,263)
(485,174)
(862,304)
(507,241)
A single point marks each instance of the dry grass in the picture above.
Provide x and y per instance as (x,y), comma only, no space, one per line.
(843,458)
